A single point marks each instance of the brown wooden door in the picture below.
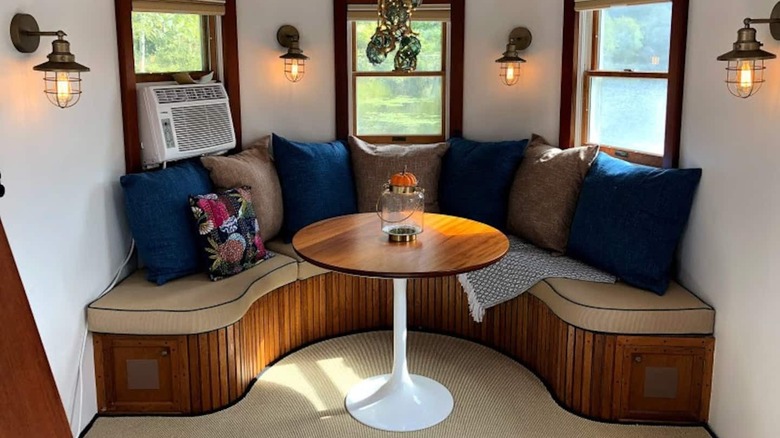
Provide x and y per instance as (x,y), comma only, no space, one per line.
(664,379)
(143,374)
(30,405)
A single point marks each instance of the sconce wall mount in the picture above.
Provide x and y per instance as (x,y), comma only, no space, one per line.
(294,60)
(62,74)
(745,70)
(25,33)
(519,39)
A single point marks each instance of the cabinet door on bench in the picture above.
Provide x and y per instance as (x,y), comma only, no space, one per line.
(142,375)
(665,379)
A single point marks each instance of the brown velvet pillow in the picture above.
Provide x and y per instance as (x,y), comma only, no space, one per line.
(544,195)
(373,165)
(253,168)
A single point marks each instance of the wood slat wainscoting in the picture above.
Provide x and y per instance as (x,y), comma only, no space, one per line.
(600,376)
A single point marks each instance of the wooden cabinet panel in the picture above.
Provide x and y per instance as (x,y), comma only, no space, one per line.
(144,374)
(663,381)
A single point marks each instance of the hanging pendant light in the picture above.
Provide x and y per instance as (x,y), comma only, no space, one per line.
(394,30)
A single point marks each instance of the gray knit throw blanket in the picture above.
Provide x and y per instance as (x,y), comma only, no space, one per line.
(523,267)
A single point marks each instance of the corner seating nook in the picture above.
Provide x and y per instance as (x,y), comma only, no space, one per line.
(605,351)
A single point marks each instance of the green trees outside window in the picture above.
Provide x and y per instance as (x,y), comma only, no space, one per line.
(636,38)
(400,104)
(168,43)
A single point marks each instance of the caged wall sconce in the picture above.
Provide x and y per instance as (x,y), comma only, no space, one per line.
(294,60)
(519,39)
(745,70)
(61,73)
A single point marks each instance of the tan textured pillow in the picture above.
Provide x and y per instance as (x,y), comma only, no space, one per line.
(373,165)
(544,195)
(254,168)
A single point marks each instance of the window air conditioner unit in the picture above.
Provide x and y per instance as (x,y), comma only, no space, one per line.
(183,121)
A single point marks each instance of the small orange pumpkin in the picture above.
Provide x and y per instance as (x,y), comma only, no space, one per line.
(403,179)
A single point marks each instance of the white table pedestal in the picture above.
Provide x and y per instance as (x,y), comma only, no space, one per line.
(399,402)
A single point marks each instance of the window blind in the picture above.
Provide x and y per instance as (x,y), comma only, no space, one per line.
(200,7)
(436,12)
(589,5)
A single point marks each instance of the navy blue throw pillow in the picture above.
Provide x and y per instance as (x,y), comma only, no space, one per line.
(630,218)
(158,210)
(476,179)
(316,181)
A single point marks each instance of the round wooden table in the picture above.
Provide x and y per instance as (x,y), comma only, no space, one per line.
(355,244)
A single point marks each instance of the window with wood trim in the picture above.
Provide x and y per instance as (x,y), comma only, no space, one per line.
(389,106)
(158,38)
(627,68)
(175,37)
(383,106)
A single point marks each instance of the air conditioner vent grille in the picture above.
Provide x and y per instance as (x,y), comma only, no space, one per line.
(189,94)
(203,126)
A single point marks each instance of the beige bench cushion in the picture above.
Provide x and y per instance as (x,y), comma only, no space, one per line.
(619,308)
(188,305)
(305,269)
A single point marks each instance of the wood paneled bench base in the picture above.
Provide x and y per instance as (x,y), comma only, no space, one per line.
(601,376)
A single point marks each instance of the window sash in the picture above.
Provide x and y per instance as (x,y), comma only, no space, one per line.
(616,150)
(589,5)
(210,56)
(426,12)
(592,70)
(443,73)
(595,48)
(390,137)
(353,48)
(199,7)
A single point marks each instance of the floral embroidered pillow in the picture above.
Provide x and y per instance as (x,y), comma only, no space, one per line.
(229,232)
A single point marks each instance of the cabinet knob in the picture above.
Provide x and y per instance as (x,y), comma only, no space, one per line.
(638,359)
(164,353)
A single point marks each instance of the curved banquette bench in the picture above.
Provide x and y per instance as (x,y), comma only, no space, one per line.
(605,351)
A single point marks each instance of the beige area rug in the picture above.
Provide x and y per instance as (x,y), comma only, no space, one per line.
(303,396)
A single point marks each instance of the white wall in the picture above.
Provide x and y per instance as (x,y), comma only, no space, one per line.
(731,254)
(306,110)
(61,169)
(493,111)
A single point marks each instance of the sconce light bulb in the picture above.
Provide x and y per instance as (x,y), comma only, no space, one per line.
(510,73)
(745,77)
(294,69)
(63,87)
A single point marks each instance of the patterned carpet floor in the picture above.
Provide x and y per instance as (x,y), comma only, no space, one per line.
(303,396)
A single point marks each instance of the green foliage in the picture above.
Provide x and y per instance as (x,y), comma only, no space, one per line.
(402,104)
(622,39)
(167,43)
(636,37)
(410,105)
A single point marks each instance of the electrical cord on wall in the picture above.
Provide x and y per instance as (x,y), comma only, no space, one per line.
(79,390)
